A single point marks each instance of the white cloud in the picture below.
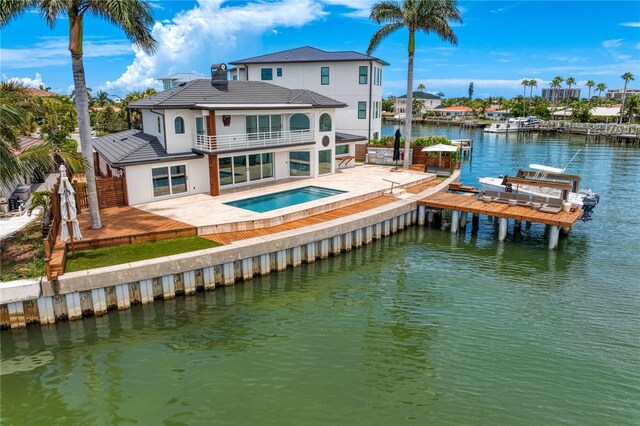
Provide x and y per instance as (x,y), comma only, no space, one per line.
(497,10)
(210,30)
(54,51)
(28,81)
(630,24)
(360,8)
(616,42)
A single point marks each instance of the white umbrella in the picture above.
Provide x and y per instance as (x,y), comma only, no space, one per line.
(440,148)
(68,210)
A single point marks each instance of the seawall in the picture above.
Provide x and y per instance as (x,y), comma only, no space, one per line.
(93,292)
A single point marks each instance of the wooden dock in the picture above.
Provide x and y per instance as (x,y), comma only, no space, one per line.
(461,205)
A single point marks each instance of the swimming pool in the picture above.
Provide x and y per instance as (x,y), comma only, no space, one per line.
(278,200)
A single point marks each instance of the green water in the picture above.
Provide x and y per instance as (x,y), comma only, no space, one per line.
(420,328)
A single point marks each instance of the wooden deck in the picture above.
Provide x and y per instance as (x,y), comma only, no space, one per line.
(229,237)
(470,204)
(416,189)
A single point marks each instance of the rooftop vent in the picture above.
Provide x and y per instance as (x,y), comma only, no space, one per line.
(219,77)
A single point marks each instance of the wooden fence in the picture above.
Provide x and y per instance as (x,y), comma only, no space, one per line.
(112,192)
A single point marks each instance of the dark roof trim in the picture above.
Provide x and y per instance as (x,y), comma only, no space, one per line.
(168,159)
(308,54)
(342,138)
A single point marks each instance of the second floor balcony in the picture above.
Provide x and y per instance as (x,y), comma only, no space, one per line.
(250,141)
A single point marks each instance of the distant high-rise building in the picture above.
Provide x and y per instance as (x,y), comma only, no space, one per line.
(560,94)
(617,93)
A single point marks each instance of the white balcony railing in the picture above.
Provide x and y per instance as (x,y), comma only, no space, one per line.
(258,140)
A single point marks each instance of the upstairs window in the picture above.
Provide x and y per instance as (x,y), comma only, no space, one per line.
(159,126)
(325,122)
(376,76)
(324,76)
(279,72)
(362,110)
(266,73)
(363,75)
(179,125)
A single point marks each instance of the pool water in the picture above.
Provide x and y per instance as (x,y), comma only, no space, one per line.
(279,200)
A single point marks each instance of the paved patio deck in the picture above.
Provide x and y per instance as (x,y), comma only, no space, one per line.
(212,215)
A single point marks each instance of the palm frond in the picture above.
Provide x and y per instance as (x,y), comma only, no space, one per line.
(52,9)
(379,35)
(134,17)
(12,9)
(387,11)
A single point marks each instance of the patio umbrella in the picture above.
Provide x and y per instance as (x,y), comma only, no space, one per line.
(396,148)
(70,228)
(439,148)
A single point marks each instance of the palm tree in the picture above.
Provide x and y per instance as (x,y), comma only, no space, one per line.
(421,87)
(16,107)
(555,84)
(102,98)
(570,82)
(632,106)
(430,16)
(532,83)
(626,77)
(601,87)
(525,84)
(134,17)
(590,84)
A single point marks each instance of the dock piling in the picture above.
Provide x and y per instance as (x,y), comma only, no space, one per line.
(502,230)
(554,233)
(455,221)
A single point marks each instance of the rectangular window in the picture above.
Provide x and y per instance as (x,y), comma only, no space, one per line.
(342,149)
(255,169)
(267,165)
(300,163)
(362,110)
(160,178)
(166,85)
(225,171)
(276,123)
(279,72)
(324,75)
(235,77)
(362,75)
(169,180)
(200,126)
(324,161)
(251,126)
(240,169)
(379,76)
(377,110)
(263,124)
(266,73)
(178,179)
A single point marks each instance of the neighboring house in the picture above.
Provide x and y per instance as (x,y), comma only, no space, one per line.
(496,114)
(209,135)
(596,112)
(350,77)
(455,112)
(429,102)
(617,93)
(175,79)
(560,94)
(19,189)
(40,93)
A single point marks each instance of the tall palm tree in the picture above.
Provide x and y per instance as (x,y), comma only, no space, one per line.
(532,83)
(570,82)
(525,84)
(430,16)
(133,17)
(590,84)
(626,77)
(555,84)
(600,87)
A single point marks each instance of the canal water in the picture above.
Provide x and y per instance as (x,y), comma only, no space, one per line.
(420,328)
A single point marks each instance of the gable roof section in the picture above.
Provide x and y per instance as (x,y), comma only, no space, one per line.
(308,54)
(132,147)
(240,93)
(421,95)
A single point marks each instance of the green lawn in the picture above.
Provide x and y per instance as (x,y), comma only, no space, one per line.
(107,256)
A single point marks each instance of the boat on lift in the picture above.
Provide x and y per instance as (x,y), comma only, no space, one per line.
(546,181)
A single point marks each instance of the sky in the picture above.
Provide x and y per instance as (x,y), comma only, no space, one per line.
(500,43)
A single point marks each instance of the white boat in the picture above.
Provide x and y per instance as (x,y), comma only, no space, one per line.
(545,173)
(504,127)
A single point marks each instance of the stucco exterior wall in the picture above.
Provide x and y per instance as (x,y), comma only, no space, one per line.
(140,186)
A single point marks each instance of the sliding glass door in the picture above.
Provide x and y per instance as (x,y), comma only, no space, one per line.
(245,168)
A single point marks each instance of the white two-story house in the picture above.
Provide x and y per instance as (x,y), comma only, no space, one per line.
(350,77)
(208,135)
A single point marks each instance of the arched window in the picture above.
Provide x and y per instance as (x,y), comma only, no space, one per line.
(299,122)
(179,125)
(325,122)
